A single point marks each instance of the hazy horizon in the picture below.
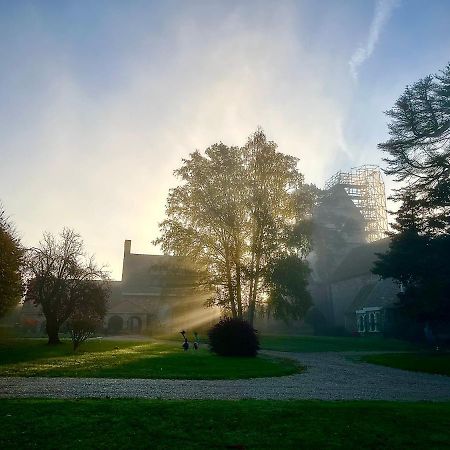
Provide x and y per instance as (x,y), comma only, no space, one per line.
(100,102)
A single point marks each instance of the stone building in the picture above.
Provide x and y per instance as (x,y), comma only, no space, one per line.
(361,300)
(350,226)
(157,295)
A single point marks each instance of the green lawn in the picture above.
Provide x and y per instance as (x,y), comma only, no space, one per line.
(246,424)
(125,359)
(418,362)
(332,344)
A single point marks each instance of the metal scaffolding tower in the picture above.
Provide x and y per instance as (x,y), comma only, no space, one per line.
(365,187)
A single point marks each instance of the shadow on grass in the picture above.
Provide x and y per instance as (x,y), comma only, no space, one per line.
(250,424)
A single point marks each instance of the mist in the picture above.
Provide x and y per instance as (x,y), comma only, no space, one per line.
(100,107)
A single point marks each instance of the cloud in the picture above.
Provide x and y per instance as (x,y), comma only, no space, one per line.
(383,11)
(100,159)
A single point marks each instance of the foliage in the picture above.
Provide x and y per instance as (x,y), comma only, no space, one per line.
(420,263)
(244,424)
(419,147)
(102,358)
(88,315)
(82,329)
(64,281)
(233,337)
(419,156)
(236,210)
(289,297)
(11,262)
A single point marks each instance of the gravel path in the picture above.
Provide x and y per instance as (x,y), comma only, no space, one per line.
(330,376)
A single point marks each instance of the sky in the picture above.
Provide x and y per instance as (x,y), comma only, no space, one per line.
(101,100)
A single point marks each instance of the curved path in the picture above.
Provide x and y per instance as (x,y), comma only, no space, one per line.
(329,376)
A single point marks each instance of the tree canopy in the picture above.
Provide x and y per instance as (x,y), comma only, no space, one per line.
(419,157)
(419,147)
(11,261)
(234,213)
(65,282)
(419,262)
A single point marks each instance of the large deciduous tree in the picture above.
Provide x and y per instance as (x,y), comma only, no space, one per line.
(419,157)
(65,282)
(235,213)
(11,261)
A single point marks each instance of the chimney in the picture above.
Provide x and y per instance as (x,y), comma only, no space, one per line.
(126,247)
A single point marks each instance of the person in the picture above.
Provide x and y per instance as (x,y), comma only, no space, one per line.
(185,344)
(196,340)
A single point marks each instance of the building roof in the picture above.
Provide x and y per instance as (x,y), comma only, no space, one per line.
(150,274)
(381,293)
(359,261)
(336,209)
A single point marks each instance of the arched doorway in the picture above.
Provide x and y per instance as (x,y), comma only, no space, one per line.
(134,324)
(115,325)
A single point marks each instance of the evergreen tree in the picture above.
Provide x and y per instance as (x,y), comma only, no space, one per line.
(11,261)
(419,157)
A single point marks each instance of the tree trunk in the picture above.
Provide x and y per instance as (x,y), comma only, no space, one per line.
(230,286)
(237,263)
(255,282)
(252,304)
(52,328)
(252,281)
(239,290)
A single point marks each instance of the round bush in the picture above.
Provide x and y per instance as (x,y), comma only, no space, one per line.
(233,337)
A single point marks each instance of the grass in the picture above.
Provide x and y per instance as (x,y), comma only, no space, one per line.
(246,424)
(125,359)
(332,344)
(417,362)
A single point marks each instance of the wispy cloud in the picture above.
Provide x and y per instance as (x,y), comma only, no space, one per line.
(383,11)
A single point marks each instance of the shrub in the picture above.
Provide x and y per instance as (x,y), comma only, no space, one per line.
(233,337)
(82,329)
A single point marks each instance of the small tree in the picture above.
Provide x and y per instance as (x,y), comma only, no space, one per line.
(82,329)
(89,313)
(11,261)
(64,281)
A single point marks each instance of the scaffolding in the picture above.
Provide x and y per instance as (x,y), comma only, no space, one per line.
(365,187)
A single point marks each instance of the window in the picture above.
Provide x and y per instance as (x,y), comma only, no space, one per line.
(361,323)
(372,321)
(377,321)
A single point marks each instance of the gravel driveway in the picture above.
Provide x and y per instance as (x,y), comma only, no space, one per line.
(329,376)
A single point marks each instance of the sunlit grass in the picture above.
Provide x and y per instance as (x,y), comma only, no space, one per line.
(248,424)
(124,359)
